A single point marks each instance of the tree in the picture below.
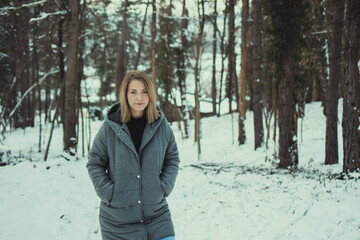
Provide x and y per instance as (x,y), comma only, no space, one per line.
(257,83)
(165,60)
(70,138)
(181,71)
(332,92)
(153,43)
(243,72)
(350,119)
(121,61)
(198,52)
(213,82)
(231,55)
(141,38)
(286,29)
(223,47)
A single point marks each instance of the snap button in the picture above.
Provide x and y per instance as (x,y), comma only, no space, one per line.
(139,201)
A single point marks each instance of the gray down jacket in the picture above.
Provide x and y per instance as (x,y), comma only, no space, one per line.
(131,184)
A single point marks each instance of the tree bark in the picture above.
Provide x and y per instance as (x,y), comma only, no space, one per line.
(243,72)
(198,53)
(287,144)
(153,43)
(331,143)
(140,42)
(223,57)
(257,82)
(70,138)
(350,122)
(121,60)
(231,53)
(181,70)
(213,82)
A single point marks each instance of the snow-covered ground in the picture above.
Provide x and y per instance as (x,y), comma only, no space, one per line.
(238,193)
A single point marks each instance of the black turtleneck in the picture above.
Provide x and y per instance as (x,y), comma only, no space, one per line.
(136,127)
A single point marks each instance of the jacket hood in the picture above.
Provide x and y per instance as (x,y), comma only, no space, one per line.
(114,115)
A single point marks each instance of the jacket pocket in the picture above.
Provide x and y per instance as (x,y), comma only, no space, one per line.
(126,192)
(155,210)
(129,214)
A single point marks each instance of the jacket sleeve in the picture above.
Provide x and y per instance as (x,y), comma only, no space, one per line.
(98,165)
(170,166)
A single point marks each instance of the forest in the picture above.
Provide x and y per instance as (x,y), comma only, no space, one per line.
(268,57)
(263,98)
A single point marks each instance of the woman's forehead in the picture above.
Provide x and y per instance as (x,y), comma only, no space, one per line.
(136,84)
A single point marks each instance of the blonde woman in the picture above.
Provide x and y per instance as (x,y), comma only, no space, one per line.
(133,164)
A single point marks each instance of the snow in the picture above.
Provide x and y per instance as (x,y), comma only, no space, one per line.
(44,15)
(239,193)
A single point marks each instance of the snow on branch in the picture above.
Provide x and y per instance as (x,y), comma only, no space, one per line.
(321,32)
(29,90)
(3,55)
(44,15)
(5,10)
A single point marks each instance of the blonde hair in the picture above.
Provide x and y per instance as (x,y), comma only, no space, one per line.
(151,112)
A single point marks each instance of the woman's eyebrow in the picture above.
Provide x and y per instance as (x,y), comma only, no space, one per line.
(133,89)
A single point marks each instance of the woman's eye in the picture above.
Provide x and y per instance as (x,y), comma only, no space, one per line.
(132,92)
(145,92)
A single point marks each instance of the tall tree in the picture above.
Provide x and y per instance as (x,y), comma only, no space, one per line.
(351,108)
(121,61)
(243,71)
(286,28)
(231,54)
(257,83)
(165,54)
(153,43)
(141,39)
(214,42)
(70,138)
(332,92)
(198,52)
(223,47)
(181,71)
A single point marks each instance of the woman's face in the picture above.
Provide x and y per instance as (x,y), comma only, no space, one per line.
(137,97)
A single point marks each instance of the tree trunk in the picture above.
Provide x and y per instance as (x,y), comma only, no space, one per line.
(81,63)
(181,70)
(35,77)
(213,83)
(62,80)
(257,83)
(351,106)
(287,144)
(332,155)
(223,56)
(140,42)
(48,63)
(231,53)
(121,60)
(153,44)
(70,138)
(21,25)
(243,73)
(198,53)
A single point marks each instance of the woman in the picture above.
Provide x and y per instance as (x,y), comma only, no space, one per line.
(133,164)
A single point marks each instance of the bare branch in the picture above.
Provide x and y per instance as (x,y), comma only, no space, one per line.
(25,94)
(44,15)
(6,10)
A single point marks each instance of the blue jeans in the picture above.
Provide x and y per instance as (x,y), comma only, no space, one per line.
(167,238)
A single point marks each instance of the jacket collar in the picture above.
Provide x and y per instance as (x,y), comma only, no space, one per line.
(121,130)
(114,115)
